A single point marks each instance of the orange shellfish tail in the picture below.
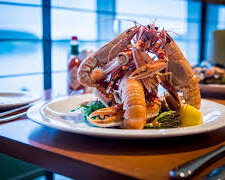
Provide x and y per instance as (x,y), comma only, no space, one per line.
(134,105)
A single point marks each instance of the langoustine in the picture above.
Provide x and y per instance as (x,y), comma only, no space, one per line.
(133,76)
(181,74)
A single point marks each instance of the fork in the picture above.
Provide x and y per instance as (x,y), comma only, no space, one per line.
(15,116)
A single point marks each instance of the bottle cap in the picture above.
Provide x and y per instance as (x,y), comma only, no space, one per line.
(74,38)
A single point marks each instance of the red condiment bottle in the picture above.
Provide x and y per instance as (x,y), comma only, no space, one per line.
(73,64)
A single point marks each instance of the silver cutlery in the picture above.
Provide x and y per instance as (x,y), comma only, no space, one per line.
(218,173)
(9,118)
(188,169)
(15,110)
(15,116)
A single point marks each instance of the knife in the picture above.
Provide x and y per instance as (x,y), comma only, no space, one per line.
(188,169)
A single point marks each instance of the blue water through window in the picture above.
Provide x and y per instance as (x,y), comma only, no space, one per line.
(94,22)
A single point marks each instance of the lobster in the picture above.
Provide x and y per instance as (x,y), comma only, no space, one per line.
(129,107)
(181,75)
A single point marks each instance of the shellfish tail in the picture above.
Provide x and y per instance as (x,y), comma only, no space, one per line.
(134,105)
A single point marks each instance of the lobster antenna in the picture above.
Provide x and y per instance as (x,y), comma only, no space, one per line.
(174,32)
(122,19)
(154,20)
(134,21)
(129,20)
(153,23)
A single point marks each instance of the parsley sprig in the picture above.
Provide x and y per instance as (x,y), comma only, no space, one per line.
(89,108)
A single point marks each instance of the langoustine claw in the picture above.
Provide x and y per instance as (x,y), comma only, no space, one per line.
(184,78)
(163,46)
(99,73)
(105,55)
(142,58)
(149,69)
(172,98)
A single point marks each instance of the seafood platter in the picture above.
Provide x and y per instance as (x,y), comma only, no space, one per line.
(143,87)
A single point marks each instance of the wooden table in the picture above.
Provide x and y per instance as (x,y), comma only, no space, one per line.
(83,157)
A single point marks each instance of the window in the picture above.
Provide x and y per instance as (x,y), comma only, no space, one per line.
(94,22)
(180,18)
(21,59)
(215,20)
(70,18)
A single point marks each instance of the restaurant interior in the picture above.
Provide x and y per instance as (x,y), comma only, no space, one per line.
(43,42)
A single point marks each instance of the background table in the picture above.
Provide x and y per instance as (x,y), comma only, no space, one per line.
(84,157)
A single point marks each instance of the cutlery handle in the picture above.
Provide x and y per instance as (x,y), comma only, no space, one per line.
(15,110)
(188,169)
(218,173)
(12,117)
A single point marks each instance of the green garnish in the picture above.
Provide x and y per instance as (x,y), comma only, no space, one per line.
(75,109)
(223,80)
(168,119)
(90,108)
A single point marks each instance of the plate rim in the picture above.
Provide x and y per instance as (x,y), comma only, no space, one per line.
(134,134)
(34,98)
(213,90)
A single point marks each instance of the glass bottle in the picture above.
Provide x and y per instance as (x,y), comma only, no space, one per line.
(74,86)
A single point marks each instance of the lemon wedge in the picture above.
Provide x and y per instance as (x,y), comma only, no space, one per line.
(190,116)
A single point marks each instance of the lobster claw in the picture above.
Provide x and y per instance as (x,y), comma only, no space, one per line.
(140,58)
(106,117)
(122,41)
(121,59)
(149,69)
(172,98)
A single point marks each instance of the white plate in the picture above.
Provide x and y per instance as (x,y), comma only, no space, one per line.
(16,98)
(216,89)
(50,114)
